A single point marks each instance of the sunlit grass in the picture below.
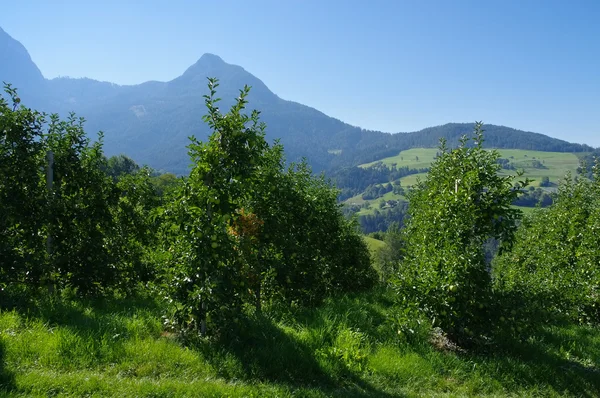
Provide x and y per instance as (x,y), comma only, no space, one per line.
(374,244)
(362,345)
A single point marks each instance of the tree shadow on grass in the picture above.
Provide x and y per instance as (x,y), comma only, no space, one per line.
(548,358)
(89,316)
(7,378)
(263,352)
(553,352)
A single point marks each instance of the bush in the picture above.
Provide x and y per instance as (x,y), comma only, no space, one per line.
(244,230)
(555,261)
(460,206)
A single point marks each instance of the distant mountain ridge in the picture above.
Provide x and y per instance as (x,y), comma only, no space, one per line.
(151,122)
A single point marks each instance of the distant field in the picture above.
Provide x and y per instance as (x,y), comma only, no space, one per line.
(415,158)
(411,180)
(525,210)
(554,164)
(374,244)
(374,203)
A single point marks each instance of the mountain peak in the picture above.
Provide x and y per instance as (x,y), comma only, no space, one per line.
(208,57)
(232,77)
(207,63)
(16,66)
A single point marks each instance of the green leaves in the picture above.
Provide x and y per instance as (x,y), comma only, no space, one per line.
(89,231)
(461,205)
(249,231)
(555,261)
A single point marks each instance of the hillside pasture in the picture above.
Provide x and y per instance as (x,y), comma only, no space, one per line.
(536,164)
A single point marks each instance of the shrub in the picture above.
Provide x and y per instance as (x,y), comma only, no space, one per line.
(555,262)
(460,206)
(244,230)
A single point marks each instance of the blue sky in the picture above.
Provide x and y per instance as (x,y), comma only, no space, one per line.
(382,65)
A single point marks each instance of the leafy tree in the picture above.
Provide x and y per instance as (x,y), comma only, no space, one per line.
(554,264)
(116,166)
(308,249)
(204,274)
(390,255)
(165,184)
(534,197)
(22,193)
(460,206)
(84,231)
(133,236)
(381,220)
(244,230)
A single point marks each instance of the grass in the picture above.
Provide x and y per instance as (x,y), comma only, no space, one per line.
(374,244)
(415,158)
(373,203)
(555,166)
(410,180)
(355,346)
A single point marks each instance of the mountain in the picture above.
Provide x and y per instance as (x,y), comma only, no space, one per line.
(16,65)
(151,122)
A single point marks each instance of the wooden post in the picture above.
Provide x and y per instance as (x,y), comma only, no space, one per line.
(203,321)
(49,186)
(204,307)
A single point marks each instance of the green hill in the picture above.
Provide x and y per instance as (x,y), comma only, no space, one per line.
(537,165)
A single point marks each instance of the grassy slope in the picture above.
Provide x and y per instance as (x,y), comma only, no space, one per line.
(350,346)
(374,244)
(373,203)
(415,158)
(557,165)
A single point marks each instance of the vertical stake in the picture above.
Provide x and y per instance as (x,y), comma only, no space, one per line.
(49,184)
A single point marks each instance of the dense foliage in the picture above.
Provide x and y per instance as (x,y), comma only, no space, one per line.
(245,230)
(381,219)
(242,230)
(461,204)
(247,233)
(534,197)
(64,222)
(555,262)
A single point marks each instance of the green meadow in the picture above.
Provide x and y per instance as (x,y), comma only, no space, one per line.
(554,165)
(351,346)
